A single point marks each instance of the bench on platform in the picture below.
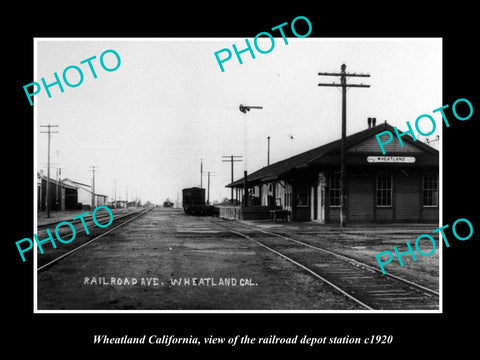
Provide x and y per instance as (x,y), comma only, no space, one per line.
(279,214)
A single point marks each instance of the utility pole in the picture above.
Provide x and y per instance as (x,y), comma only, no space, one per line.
(231,159)
(208,186)
(208,191)
(201,173)
(92,169)
(244,109)
(268,151)
(58,191)
(115,192)
(343,84)
(49,132)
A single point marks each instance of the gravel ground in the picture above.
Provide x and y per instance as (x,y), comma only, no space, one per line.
(166,260)
(363,242)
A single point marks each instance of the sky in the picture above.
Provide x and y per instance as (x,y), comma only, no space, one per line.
(147,125)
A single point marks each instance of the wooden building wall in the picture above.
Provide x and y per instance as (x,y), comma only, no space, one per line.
(407,200)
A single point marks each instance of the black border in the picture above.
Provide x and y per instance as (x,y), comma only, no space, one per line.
(414,334)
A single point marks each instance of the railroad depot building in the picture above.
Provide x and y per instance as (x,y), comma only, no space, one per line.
(401,186)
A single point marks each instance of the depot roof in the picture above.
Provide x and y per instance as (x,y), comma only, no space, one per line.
(329,154)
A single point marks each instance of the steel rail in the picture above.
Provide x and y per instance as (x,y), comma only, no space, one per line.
(349,259)
(79,231)
(307,269)
(351,297)
(92,240)
(88,217)
(425,290)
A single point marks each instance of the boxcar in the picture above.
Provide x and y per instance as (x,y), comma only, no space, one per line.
(194,202)
(167,204)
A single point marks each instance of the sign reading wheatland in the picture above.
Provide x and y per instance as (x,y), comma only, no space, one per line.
(391,159)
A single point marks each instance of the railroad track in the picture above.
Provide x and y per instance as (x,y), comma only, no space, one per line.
(86,218)
(360,282)
(52,256)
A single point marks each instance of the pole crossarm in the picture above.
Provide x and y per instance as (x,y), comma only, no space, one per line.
(245,108)
(343,76)
(348,85)
(234,157)
(346,74)
(49,131)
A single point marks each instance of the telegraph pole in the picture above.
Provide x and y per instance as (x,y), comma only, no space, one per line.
(208,191)
(343,84)
(244,109)
(268,150)
(59,193)
(115,193)
(92,169)
(201,172)
(208,186)
(232,159)
(49,132)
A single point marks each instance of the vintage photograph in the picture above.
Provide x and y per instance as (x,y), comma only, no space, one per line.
(268,174)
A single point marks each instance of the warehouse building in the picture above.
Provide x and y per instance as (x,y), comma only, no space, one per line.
(65,194)
(401,186)
(61,196)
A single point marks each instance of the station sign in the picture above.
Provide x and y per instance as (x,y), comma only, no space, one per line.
(391,159)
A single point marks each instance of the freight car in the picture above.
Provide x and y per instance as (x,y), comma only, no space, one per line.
(194,202)
(168,204)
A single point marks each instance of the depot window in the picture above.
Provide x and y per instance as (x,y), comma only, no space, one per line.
(301,197)
(335,189)
(384,189)
(288,195)
(430,190)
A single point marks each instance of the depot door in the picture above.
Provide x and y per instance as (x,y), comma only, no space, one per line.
(320,199)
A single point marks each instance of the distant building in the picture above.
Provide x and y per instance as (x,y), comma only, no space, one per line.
(62,196)
(401,186)
(101,200)
(84,197)
(119,204)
